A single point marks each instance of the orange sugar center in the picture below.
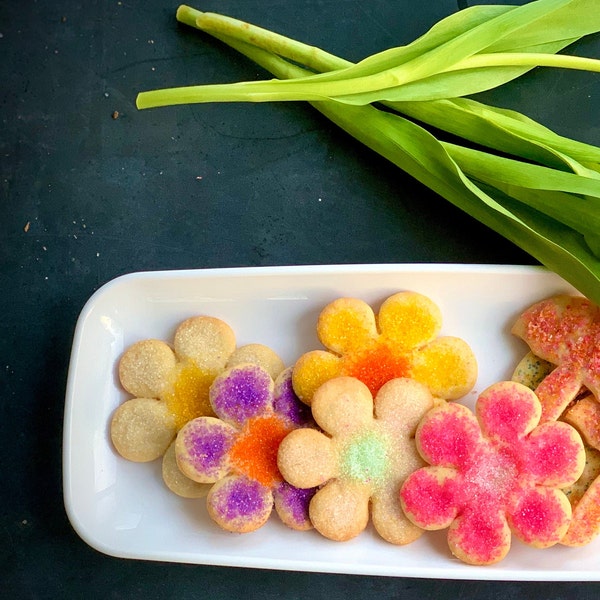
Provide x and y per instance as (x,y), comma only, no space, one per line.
(188,396)
(377,365)
(255,451)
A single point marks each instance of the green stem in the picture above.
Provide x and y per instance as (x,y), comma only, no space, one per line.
(527,59)
(313,87)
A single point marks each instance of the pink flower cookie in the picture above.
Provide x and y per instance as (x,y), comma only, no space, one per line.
(494,473)
(401,341)
(236,451)
(361,457)
(170,384)
(565,331)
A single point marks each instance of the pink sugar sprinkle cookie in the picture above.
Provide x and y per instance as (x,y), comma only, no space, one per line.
(565,331)
(236,451)
(494,473)
(401,341)
(360,458)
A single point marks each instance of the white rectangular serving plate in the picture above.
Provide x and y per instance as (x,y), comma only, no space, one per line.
(123,509)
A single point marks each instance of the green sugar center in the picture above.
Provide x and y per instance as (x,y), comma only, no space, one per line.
(365,459)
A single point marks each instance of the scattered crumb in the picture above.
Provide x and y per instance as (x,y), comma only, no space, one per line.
(27,226)
(115,114)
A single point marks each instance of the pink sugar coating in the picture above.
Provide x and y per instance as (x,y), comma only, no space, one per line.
(480,534)
(488,480)
(506,412)
(449,440)
(554,452)
(431,504)
(538,517)
(570,334)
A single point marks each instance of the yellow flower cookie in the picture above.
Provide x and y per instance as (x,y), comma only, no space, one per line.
(401,341)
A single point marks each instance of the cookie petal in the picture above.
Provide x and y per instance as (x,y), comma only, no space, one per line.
(258,354)
(479,538)
(287,404)
(141,429)
(239,504)
(447,366)
(346,324)
(540,517)
(585,522)
(208,341)
(177,482)
(448,436)
(401,404)
(312,370)
(389,519)
(584,415)
(507,411)
(241,393)
(202,447)
(557,390)
(146,368)
(340,511)
(342,406)
(291,505)
(429,496)
(306,458)
(409,320)
(553,455)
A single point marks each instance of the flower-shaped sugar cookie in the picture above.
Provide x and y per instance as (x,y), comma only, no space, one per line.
(402,341)
(236,451)
(494,473)
(565,331)
(361,458)
(583,414)
(171,385)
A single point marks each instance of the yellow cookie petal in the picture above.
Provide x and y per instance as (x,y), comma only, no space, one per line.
(409,319)
(447,366)
(311,371)
(346,324)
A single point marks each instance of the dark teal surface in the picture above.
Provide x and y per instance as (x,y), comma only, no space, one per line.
(85,197)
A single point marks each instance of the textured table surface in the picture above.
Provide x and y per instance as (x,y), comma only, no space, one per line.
(91,188)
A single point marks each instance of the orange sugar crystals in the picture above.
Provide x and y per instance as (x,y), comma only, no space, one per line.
(255,451)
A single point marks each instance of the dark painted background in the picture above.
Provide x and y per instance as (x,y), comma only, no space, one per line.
(85,197)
